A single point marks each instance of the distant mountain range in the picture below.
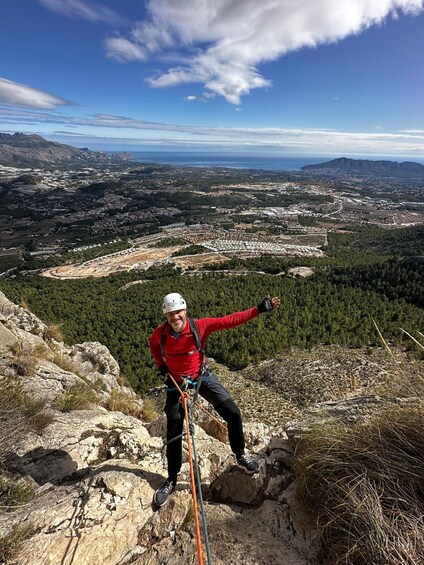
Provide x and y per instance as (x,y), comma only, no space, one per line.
(366,168)
(21,150)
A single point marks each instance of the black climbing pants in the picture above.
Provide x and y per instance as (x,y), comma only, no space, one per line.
(215,393)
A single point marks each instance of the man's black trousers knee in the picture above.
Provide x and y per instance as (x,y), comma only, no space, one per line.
(231,414)
(215,393)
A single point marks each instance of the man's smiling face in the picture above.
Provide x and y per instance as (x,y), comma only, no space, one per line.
(177,320)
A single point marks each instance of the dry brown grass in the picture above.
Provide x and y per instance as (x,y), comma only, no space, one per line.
(64,362)
(53,332)
(19,415)
(149,411)
(14,492)
(24,359)
(118,401)
(123,381)
(364,479)
(400,378)
(365,484)
(11,543)
(79,396)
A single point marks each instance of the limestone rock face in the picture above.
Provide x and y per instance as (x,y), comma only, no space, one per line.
(93,356)
(95,471)
(6,336)
(81,439)
(94,520)
(56,367)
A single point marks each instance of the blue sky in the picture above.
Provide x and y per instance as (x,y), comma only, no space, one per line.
(330,77)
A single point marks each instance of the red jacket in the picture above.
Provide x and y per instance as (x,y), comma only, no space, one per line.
(189,365)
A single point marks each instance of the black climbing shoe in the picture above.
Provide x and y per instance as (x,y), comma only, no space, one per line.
(162,494)
(248,464)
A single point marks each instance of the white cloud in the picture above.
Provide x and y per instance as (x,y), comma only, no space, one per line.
(16,94)
(307,141)
(92,11)
(123,50)
(200,98)
(225,41)
(155,36)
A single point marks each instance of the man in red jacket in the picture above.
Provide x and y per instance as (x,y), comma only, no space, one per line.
(173,347)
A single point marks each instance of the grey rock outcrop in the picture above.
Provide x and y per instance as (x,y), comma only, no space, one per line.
(56,367)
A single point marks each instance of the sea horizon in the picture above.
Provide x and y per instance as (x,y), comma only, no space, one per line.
(256,161)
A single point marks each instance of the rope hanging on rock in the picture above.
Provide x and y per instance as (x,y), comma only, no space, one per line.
(194,477)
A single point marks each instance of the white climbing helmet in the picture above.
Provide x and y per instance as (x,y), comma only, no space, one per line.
(172,302)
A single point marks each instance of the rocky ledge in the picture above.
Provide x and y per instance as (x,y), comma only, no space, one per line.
(93,468)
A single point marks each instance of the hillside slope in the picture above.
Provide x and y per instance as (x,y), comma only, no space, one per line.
(21,150)
(366,167)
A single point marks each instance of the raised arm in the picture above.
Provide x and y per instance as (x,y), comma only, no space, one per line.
(209,325)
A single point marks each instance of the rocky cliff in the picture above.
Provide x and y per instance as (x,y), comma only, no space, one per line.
(83,456)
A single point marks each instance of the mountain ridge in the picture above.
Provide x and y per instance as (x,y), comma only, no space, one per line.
(367,167)
(23,150)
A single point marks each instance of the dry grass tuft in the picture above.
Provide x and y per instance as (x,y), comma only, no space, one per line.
(53,332)
(24,360)
(11,543)
(78,397)
(365,483)
(399,380)
(123,381)
(65,362)
(149,411)
(19,415)
(14,492)
(118,401)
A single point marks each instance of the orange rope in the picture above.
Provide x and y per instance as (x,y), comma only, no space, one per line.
(184,396)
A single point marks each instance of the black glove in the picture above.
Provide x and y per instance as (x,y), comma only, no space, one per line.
(265,306)
(163,370)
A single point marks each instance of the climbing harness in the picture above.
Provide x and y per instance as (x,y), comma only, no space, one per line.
(194,474)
